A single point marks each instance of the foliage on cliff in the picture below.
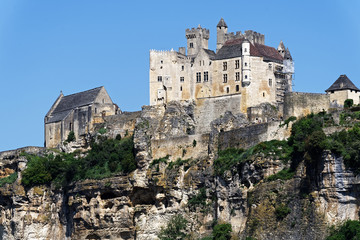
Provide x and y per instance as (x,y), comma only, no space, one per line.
(350,230)
(107,157)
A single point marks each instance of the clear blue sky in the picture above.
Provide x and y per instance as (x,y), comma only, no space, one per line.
(48,46)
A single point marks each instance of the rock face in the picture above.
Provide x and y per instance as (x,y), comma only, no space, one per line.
(138,205)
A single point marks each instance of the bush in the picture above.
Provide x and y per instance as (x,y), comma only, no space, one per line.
(350,230)
(222,231)
(108,157)
(9,179)
(282,211)
(348,103)
(71,137)
(175,229)
(198,200)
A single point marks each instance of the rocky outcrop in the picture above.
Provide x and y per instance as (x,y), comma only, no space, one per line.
(138,205)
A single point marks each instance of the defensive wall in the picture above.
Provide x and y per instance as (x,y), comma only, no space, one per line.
(300,104)
(251,135)
(211,108)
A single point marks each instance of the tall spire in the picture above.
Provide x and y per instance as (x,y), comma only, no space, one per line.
(287,54)
(221,23)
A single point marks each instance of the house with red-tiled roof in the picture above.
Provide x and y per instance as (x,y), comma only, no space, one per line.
(243,67)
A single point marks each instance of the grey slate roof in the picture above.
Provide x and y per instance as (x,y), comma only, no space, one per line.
(70,102)
(228,51)
(210,53)
(342,83)
(287,54)
(221,23)
(233,48)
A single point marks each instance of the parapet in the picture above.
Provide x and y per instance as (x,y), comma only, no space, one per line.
(193,32)
(255,37)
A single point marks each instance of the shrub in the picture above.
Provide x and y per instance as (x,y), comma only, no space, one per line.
(348,103)
(9,179)
(105,158)
(102,130)
(199,200)
(70,137)
(350,230)
(175,229)
(282,211)
(222,231)
(159,160)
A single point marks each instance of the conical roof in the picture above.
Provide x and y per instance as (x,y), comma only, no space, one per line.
(221,23)
(287,55)
(281,46)
(342,83)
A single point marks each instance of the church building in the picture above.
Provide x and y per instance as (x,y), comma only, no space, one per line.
(76,113)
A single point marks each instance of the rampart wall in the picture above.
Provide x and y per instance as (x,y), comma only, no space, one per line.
(209,109)
(251,135)
(300,104)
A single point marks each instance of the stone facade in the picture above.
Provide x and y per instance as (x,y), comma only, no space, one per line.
(242,66)
(300,104)
(78,113)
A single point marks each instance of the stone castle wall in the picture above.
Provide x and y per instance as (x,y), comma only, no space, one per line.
(300,104)
(251,135)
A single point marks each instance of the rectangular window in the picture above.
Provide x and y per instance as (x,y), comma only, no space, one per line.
(237,64)
(225,78)
(182,79)
(182,68)
(237,76)
(180,88)
(206,76)
(198,77)
(227,90)
(237,88)
(270,82)
(270,66)
(191,45)
(224,66)
(159,78)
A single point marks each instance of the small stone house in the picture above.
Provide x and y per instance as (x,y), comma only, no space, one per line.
(78,113)
(343,88)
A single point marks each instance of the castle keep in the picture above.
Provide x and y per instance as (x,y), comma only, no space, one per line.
(242,67)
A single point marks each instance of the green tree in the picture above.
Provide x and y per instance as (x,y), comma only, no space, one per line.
(348,103)
(222,231)
(350,230)
(175,229)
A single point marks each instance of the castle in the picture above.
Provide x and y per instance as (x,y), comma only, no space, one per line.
(242,66)
(241,76)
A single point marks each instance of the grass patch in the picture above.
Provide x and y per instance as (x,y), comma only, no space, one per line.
(9,179)
(284,174)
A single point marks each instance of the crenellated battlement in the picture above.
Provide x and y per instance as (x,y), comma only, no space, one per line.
(193,32)
(252,36)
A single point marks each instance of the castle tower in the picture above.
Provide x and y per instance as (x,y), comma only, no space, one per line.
(245,52)
(197,38)
(281,49)
(221,30)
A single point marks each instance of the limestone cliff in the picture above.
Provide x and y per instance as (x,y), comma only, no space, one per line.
(175,165)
